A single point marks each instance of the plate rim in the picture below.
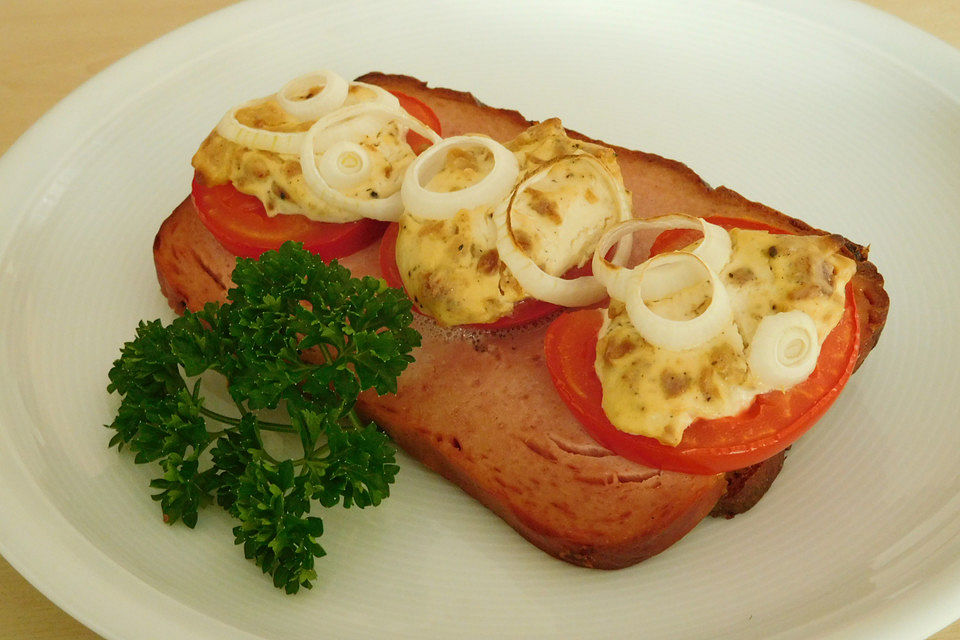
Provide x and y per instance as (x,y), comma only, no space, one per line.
(905,45)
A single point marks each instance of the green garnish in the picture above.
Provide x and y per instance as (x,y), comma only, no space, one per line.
(284,304)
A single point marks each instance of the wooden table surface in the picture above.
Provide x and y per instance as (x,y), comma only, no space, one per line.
(48,48)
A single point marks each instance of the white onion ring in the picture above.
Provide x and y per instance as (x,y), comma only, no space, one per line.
(381,97)
(345,165)
(436,205)
(537,283)
(714,250)
(261,139)
(388,208)
(784,349)
(330,97)
(677,335)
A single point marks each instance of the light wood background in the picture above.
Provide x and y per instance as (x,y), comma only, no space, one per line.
(49,47)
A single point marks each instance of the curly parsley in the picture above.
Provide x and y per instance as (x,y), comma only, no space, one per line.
(297,334)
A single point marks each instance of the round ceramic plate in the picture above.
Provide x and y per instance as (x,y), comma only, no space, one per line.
(826,110)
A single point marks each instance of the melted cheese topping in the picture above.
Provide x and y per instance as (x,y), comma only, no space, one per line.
(656,392)
(277,180)
(451,267)
(568,207)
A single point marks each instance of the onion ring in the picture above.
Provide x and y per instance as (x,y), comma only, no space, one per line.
(677,335)
(385,208)
(275,141)
(329,98)
(436,205)
(714,250)
(345,165)
(537,283)
(381,95)
(784,349)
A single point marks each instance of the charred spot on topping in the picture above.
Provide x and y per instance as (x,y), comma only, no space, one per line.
(291,169)
(258,168)
(278,191)
(489,262)
(828,272)
(723,358)
(373,194)
(773,251)
(618,348)
(674,383)
(309,93)
(462,160)
(433,285)
(434,227)
(616,309)
(741,275)
(543,205)
(707,384)
(805,292)
(523,240)
(801,267)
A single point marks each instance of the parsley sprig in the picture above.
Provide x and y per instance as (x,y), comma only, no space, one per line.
(296,334)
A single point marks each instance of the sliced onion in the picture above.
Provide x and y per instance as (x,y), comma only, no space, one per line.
(363,119)
(290,142)
(714,250)
(677,335)
(437,205)
(276,141)
(345,165)
(381,95)
(784,349)
(328,99)
(384,208)
(537,283)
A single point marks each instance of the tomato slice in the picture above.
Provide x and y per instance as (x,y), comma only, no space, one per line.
(524,312)
(772,423)
(241,224)
(419,110)
(674,239)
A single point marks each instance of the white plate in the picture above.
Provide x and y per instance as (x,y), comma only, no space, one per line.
(829,111)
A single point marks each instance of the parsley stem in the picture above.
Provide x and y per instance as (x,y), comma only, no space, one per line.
(264,424)
(276,426)
(219,416)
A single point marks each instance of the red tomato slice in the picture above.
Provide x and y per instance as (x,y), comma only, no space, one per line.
(419,110)
(772,423)
(241,224)
(674,239)
(524,311)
